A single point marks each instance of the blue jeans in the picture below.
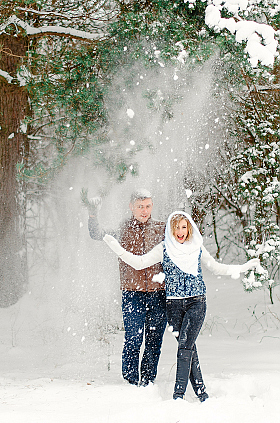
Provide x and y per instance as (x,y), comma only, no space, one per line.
(186,315)
(144,313)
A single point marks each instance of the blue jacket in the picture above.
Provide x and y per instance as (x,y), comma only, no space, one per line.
(180,284)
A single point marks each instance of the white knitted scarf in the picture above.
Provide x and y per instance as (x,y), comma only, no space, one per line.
(185,255)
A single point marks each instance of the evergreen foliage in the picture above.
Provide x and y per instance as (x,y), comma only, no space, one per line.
(68,78)
(70,63)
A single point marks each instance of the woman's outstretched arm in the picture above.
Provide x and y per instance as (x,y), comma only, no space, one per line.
(232,270)
(137,262)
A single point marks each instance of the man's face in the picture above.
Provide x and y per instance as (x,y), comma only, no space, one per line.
(142,209)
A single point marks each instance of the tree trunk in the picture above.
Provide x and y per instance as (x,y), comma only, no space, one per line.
(13,149)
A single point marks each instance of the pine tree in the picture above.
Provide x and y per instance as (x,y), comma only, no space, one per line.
(246,187)
(58,59)
(33,33)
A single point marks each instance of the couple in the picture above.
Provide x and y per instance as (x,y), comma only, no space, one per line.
(145,249)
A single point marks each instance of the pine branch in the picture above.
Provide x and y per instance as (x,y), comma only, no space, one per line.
(84,197)
(95,10)
(50,30)
(227,200)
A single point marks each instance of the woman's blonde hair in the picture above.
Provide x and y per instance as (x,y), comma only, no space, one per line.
(175,220)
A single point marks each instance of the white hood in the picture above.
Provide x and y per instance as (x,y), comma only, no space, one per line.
(185,255)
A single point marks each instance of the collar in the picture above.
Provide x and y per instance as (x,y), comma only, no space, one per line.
(135,222)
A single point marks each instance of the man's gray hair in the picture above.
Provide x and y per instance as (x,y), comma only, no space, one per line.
(140,194)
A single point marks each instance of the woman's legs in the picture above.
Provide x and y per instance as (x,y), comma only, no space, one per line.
(184,359)
(196,377)
(187,316)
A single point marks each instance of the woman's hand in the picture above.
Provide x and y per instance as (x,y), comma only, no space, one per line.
(235,270)
(251,264)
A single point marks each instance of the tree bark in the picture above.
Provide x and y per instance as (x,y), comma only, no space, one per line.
(13,149)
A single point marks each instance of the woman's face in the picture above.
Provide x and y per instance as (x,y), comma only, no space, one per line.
(181,231)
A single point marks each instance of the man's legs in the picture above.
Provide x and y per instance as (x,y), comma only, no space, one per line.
(155,324)
(134,312)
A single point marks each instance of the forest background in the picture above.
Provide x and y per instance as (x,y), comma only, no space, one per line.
(181,97)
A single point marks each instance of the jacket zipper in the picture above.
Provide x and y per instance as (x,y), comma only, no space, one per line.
(144,247)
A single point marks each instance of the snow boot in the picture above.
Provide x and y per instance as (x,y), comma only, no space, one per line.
(202,397)
(184,358)
(145,382)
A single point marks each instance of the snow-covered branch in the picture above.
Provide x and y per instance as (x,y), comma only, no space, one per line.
(42,13)
(54,30)
(7,76)
(271,87)
(261,44)
(99,15)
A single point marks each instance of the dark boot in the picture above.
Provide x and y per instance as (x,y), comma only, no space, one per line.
(202,397)
(196,378)
(184,358)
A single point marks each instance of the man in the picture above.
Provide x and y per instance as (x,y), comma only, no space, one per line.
(143,300)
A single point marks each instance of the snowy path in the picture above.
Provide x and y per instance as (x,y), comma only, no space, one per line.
(241,399)
(239,350)
(243,387)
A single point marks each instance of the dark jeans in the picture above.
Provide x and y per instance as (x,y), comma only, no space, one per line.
(186,315)
(144,313)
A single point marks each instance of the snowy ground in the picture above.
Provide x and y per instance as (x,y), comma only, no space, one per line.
(239,353)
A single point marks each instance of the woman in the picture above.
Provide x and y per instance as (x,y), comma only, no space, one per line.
(181,254)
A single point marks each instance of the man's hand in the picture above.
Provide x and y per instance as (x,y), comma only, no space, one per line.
(93,204)
(113,244)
